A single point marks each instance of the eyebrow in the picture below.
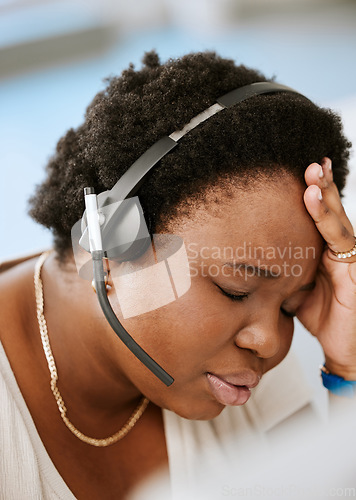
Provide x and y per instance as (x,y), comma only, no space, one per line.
(265,272)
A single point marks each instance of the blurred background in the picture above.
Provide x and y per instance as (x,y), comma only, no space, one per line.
(54,55)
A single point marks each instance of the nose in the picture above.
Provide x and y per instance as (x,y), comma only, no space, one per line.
(262,337)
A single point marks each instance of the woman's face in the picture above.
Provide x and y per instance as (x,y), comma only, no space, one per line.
(253,258)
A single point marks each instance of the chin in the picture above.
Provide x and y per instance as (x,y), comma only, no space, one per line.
(206,410)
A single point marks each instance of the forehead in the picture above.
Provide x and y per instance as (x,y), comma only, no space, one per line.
(265,220)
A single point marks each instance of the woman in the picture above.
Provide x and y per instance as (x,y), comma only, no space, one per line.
(264,177)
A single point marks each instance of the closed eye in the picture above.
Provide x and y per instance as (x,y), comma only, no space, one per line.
(239,297)
(287,313)
(235,297)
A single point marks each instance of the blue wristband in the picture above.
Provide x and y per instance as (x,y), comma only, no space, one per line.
(337,385)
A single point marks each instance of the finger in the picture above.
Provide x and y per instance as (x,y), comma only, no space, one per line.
(338,237)
(322,176)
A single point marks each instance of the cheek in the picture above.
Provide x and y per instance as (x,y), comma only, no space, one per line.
(185,338)
(189,332)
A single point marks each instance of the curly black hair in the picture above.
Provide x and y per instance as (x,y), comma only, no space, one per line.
(262,134)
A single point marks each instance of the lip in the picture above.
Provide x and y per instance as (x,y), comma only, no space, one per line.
(249,378)
(233,389)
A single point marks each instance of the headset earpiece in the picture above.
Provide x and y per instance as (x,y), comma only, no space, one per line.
(123,227)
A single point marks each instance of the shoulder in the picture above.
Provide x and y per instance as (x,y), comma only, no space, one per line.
(16,284)
(18,314)
(16,292)
(12,272)
(5,265)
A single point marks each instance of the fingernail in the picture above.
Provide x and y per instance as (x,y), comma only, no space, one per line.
(327,163)
(321,173)
(320,195)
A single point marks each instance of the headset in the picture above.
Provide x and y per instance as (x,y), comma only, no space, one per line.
(113,225)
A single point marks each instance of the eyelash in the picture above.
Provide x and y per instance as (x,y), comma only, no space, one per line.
(288,314)
(234,297)
(242,296)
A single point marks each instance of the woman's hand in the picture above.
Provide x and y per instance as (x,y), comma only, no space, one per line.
(329,313)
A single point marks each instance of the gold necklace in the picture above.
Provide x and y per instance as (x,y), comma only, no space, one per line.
(54,375)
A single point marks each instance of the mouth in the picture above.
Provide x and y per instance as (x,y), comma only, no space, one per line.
(233,389)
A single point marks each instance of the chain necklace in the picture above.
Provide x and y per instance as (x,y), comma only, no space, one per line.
(54,375)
